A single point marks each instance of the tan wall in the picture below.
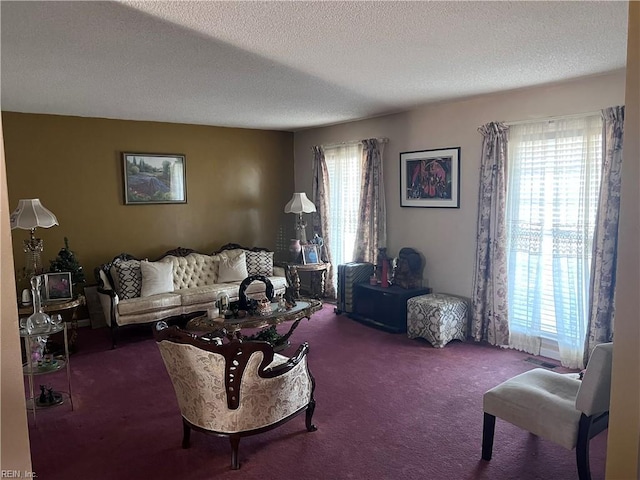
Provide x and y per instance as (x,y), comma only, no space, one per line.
(447,237)
(623,447)
(238,181)
(14,437)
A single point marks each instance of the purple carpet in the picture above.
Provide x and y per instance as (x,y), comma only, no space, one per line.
(387,408)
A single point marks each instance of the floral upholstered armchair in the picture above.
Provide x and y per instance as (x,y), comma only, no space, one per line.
(237,388)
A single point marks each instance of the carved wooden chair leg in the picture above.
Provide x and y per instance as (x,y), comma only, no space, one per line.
(235,443)
(309,416)
(186,434)
(488,430)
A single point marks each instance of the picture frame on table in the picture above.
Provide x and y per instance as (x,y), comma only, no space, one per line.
(151,178)
(58,286)
(310,254)
(430,178)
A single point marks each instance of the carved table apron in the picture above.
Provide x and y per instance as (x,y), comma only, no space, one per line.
(213,327)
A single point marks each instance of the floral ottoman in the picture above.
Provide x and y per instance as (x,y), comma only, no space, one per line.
(437,317)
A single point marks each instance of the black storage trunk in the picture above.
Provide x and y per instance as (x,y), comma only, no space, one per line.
(350,274)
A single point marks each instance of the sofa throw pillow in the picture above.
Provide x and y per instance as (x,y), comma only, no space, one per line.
(260,263)
(157,277)
(129,278)
(232,269)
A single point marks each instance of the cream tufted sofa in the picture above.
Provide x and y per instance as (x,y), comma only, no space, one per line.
(179,283)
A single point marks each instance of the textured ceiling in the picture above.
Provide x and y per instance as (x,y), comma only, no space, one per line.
(291,65)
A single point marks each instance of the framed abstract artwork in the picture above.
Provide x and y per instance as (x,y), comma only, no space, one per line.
(153,178)
(430,178)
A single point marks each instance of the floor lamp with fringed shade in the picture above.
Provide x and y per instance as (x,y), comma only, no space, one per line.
(30,215)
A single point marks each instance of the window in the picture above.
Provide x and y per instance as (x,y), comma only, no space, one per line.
(552,196)
(344,163)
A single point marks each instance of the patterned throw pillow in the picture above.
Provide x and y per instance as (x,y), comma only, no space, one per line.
(129,282)
(260,263)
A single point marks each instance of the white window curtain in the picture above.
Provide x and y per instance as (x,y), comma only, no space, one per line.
(553,175)
(344,164)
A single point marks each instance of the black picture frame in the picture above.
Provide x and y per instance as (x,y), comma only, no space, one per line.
(430,178)
(152,178)
(58,286)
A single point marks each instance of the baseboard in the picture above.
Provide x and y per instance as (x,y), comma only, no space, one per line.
(85,322)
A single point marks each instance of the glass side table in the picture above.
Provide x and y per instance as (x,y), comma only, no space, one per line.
(46,364)
(65,308)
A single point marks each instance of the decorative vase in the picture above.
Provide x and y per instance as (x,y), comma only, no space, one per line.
(295,249)
(38,322)
(380,262)
(384,281)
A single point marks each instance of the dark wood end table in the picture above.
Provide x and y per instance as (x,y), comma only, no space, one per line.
(318,273)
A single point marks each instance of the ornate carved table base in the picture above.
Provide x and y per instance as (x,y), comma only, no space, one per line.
(318,272)
(213,327)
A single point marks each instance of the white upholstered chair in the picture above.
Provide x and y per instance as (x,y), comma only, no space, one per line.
(557,407)
(236,388)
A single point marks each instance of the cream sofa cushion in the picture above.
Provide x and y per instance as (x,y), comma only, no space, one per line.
(206,293)
(148,304)
(157,277)
(147,317)
(232,269)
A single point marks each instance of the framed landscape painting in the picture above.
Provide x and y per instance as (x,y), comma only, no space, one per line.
(430,178)
(153,178)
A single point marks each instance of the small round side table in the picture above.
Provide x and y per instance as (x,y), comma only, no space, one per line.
(318,273)
(66,308)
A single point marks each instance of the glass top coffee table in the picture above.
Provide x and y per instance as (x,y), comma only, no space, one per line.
(221,327)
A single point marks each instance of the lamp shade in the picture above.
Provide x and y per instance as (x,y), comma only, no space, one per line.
(299,203)
(31,214)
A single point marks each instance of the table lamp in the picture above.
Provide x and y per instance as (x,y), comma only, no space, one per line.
(300,204)
(29,215)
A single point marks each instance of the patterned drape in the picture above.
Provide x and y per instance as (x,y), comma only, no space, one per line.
(372,223)
(489,313)
(605,238)
(320,195)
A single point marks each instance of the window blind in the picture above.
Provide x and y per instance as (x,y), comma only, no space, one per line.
(344,164)
(553,175)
